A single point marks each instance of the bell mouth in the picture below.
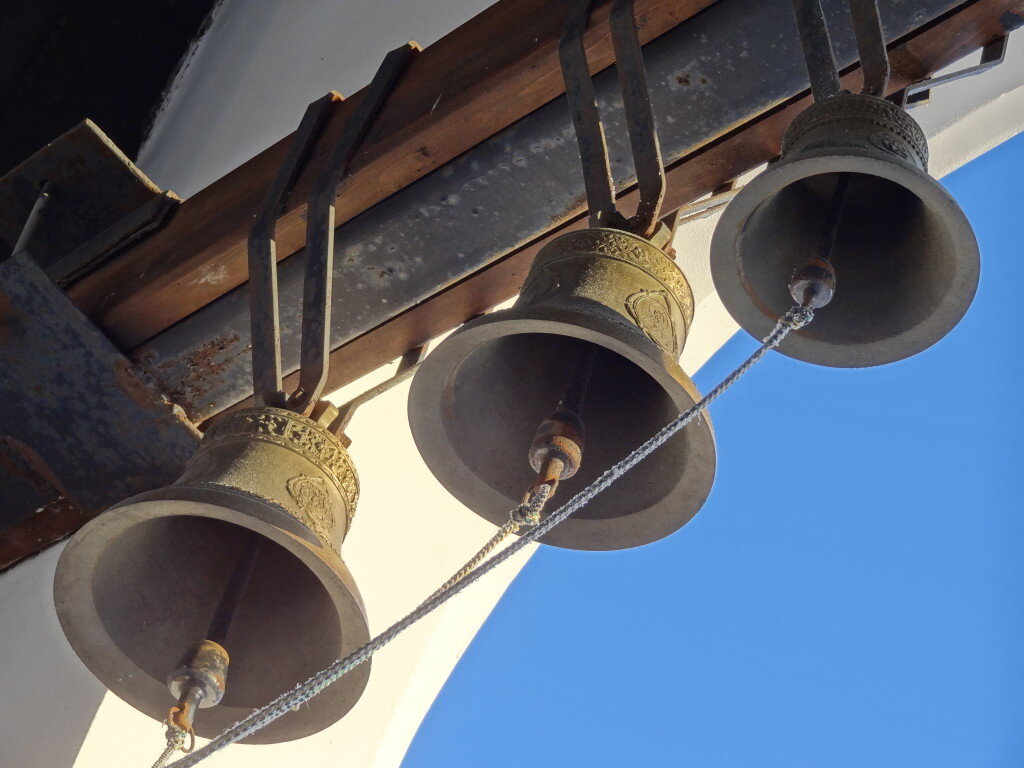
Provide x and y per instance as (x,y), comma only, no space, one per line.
(136,589)
(906,259)
(477,400)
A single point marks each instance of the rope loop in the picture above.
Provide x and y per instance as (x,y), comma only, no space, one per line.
(528,512)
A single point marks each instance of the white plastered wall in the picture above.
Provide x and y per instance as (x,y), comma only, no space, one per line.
(245,86)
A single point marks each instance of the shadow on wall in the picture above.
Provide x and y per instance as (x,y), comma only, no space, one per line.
(51,698)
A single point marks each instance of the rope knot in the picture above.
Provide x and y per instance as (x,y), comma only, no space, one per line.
(521,515)
(798,317)
(528,512)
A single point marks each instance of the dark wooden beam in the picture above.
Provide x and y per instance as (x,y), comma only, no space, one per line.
(36,532)
(480,78)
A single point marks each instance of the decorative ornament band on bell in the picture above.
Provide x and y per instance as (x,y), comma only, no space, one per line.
(136,588)
(476,401)
(905,257)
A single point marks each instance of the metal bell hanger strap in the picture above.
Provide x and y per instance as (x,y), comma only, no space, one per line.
(851,188)
(589,352)
(229,585)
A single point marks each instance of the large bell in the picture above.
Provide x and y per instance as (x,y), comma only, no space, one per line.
(136,588)
(905,256)
(478,398)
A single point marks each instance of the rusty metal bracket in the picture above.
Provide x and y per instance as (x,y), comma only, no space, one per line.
(992,55)
(636,101)
(316,295)
(407,366)
(820,58)
(263,299)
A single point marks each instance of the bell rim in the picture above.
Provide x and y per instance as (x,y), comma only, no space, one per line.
(742,307)
(83,627)
(639,528)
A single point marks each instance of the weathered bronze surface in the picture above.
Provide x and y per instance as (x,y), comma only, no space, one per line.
(137,587)
(905,256)
(477,399)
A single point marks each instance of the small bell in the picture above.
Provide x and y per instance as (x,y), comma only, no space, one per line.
(137,589)
(477,400)
(905,256)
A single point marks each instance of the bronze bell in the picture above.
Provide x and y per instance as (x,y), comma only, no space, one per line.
(905,256)
(136,587)
(478,398)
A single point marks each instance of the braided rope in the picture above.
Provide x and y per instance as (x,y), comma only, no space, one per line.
(175,741)
(796,318)
(527,513)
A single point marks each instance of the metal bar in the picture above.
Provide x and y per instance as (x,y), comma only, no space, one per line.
(817,48)
(220,624)
(133,226)
(316,299)
(263,301)
(829,232)
(34,217)
(586,120)
(874,59)
(992,55)
(576,391)
(643,136)
(700,209)
(407,366)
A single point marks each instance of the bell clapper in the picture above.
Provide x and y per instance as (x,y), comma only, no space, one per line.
(200,682)
(814,283)
(557,447)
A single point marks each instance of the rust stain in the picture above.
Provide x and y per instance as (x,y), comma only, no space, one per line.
(149,397)
(138,391)
(202,368)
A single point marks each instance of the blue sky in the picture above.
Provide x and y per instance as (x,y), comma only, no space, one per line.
(851,595)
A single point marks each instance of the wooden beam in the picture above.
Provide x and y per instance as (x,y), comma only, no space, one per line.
(39,530)
(490,72)
(913,58)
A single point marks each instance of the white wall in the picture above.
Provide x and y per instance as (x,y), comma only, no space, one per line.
(263,61)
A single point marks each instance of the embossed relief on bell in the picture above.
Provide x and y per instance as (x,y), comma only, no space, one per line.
(651,311)
(540,285)
(299,435)
(310,493)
